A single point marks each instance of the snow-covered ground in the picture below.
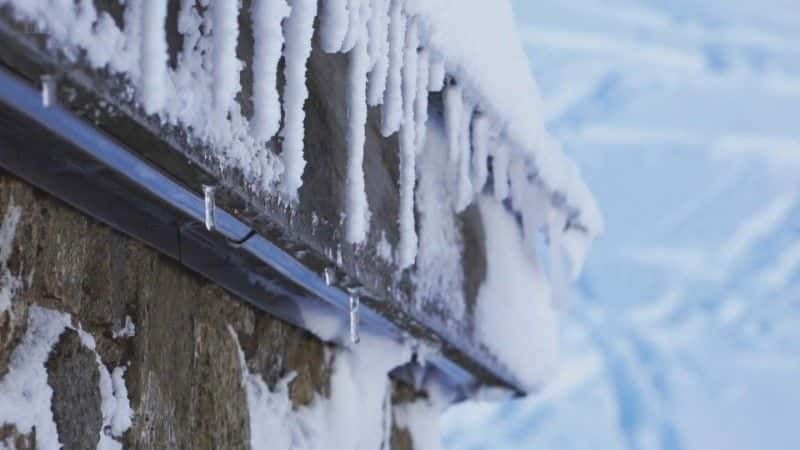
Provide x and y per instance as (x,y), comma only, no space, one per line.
(684,331)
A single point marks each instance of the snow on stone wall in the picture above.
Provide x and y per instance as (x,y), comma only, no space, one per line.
(25,391)
(352,417)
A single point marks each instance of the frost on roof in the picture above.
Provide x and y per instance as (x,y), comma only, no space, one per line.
(398,52)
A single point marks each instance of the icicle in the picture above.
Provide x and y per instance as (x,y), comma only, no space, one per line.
(408,236)
(421,102)
(267,17)
(465,192)
(298,31)
(49,91)
(329,276)
(500,156)
(225,68)
(334,23)
(556,222)
(188,18)
(354,29)
(355,303)
(210,203)
(356,201)
(480,137)
(153,55)
(453,111)
(378,51)
(393,97)
(133,19)
(437,74)
(531,202)
(377,28)
(575,246)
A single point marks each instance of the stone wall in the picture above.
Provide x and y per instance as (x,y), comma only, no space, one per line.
(182,365)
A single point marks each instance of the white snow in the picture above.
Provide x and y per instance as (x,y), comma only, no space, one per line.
(352,418)
(514,316)
(421,418)
(114,405)
(407,248)
(154,55)
(471,37)
(421,101)
(8,230)
(356,207)
(474,41)
(483,52)
(393,95)
(437,74)
(225,65)
(25,395)
(298,31)
(268,44)
(333,21)
(378,50)
(354,23)
(440,273)
(384,248)
(270,411)
(559,278)
(127,330)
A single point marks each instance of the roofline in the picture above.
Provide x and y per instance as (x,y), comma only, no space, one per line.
(91,171)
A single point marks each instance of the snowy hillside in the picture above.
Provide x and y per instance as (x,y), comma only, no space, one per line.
(683,333)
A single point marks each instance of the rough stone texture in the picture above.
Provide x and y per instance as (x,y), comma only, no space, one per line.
(183,376)
(10,438)
(73,374)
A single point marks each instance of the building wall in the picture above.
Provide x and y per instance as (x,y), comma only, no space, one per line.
(183,373)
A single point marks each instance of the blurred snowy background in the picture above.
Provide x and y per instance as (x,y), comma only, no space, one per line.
(684,331)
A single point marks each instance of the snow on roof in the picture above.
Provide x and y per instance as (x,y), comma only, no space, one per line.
(399,51)
(481,47)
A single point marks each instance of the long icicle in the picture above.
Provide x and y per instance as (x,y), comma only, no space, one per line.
(437,74)
(356,202)
(354,11)
(393,97)
(421,101)
(225,70)
(298,31)
(333,24)
(379,52)
(407,252)
(267,18)
(153,55)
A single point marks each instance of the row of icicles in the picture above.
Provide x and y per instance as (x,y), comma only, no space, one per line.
(389,66)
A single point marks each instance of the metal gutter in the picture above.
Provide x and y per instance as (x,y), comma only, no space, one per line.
(57,151)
